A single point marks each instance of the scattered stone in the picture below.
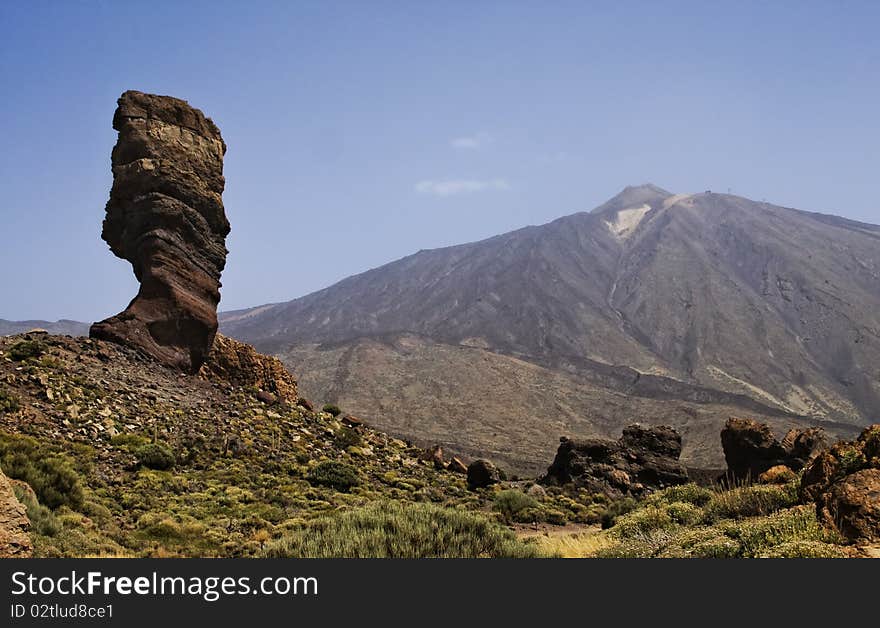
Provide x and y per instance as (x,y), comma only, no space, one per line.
(351,421)
(165,216)
(482,474)
(645,458)
(456,466)
(305,403)
(434,455)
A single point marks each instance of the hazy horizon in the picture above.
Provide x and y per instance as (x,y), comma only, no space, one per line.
(358,135)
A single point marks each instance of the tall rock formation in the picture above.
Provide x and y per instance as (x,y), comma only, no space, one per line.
(165,216)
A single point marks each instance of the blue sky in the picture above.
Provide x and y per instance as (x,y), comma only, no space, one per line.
(362,132)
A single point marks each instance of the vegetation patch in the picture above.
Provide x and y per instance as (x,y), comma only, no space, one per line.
(391,529)
(336,475)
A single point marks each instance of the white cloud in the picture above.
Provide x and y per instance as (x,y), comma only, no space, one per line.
(453,187)
(471,142)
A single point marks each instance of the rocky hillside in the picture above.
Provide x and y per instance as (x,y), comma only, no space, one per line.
(685,309)
(116,454)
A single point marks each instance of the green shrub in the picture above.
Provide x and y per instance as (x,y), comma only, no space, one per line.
(331,409)
(703,542)
(759,535)
(8,402)
(750,501)
(641,522)
(43,520)
(347,437)
(51,477)
(684,513)
(615,509)
(25,349)
(804,549)
(336,475)
(687,493)
(392,529)
(512,502)
(155,456)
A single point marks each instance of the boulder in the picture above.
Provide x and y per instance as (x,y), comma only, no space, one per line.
(852,506)
(14,524)
(165,216)
(844,483)
(482,474)
(645,458)
(780,474)
(750,449)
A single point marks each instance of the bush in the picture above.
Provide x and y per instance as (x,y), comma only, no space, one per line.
(53,479)
(392,529)
(8,402)
(42,519)
(804,549)
(758,535)
(512,502)
(687,493)
(25,349)
(642,522)
(331,409)
(615,509)
(347,437)
(336,475)
(155,456)
(750,501)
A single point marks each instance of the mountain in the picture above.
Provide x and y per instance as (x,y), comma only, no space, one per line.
(62,327)
(680,308)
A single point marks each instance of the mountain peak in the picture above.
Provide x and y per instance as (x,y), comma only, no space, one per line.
(634,196)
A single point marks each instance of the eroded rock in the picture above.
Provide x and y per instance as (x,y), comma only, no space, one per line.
(751,449)
(643,459)
(241,365)
(165,216)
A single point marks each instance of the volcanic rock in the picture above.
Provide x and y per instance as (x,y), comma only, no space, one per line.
(165,216)
(844,482)
(482,474)
(14,524)
(750,448)
(852,505)
(239,364)
(643,459)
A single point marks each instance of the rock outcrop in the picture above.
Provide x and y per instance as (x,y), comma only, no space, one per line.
(844,483)
(165,216)
(14,525)
(239,364)
(643,459)
(751,449)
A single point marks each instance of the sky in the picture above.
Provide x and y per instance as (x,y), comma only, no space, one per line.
(362,132)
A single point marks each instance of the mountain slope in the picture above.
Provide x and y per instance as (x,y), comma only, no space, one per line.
(62,327)
(747,307)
